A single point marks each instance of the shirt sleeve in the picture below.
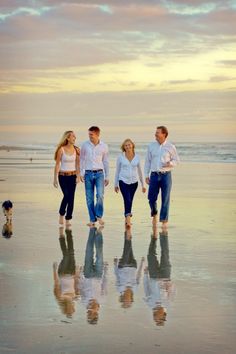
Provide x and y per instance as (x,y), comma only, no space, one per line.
(147,165)
(106,163)
(146,285)
(117,173)
(174,157)
(140,174)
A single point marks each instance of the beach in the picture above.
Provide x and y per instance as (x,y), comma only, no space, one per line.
(202,248)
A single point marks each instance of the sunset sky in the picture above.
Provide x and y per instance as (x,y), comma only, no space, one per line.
(124,65)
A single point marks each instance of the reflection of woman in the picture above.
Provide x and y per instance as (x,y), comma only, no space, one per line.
(66,275)
(67,172)
(127,276)
(158,286)
(93,281)
(128,169)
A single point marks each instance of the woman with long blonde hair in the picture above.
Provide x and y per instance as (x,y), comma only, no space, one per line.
(67,173)
(128,171)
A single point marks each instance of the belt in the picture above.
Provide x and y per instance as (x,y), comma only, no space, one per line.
(94,170)
(65,173)
(160,172)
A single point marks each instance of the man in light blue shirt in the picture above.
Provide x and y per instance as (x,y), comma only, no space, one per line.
(160,159)
(94,173)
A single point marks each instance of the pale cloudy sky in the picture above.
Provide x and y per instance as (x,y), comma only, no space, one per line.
(124,65)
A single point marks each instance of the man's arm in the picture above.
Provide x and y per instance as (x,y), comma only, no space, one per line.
(147,165)
(174,157)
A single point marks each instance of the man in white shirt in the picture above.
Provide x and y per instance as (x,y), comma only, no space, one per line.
(94,173)
(160,159)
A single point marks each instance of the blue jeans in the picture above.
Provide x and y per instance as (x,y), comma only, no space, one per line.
(93,268)
(156,269)
(128,191)
(94,180)
(163,182)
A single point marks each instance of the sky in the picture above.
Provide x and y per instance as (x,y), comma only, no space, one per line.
(126,66)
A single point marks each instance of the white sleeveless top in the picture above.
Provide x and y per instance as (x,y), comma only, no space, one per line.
(68,162)
(67,284)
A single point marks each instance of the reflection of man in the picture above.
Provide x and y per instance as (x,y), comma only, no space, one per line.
(93,282)
(66,274)
(158,287)
(160,159)
(127,276)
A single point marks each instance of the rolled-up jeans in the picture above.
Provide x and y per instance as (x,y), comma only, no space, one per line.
(92,180)
(160,181)
(128,191)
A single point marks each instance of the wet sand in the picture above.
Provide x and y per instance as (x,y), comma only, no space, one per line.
(202,247)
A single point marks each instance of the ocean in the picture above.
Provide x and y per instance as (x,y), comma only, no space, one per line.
(42,155)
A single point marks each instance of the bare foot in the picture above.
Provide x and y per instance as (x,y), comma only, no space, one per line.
(91,224)
(128,221)
(101,222)
(154,220)
(164,225)
(61,220)
(154,230)
(68,223)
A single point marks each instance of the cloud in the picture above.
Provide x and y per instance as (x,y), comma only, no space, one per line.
(221,78)
(180,82)
(227,62)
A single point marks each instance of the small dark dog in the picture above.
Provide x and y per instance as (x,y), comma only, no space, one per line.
(7,208)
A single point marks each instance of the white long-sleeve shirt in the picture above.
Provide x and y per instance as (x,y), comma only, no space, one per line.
(158,155)
(94,157)
(127,277)
(158,291)
(128,171)
(93,288)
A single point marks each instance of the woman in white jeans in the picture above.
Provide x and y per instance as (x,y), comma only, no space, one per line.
(128,171)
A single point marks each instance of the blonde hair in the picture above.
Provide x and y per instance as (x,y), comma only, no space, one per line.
(126,141)
(62,142)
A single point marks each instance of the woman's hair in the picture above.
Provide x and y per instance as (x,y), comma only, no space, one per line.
(126,298)
(62,142)
(127,141)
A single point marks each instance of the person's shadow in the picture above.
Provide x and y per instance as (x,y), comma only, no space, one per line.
(158,287)
(93,280)
(66,275)
(126,272)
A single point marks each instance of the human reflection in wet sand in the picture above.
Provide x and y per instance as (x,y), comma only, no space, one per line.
(66,275)
(127,275)
(7,229)
(158,287)
(93,280)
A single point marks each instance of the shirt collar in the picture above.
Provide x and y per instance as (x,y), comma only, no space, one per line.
(163,144)
(90,142)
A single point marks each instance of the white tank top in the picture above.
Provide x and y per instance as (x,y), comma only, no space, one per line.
(67,284)
(68,161)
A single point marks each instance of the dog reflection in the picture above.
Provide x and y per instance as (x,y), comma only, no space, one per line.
(7,230)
